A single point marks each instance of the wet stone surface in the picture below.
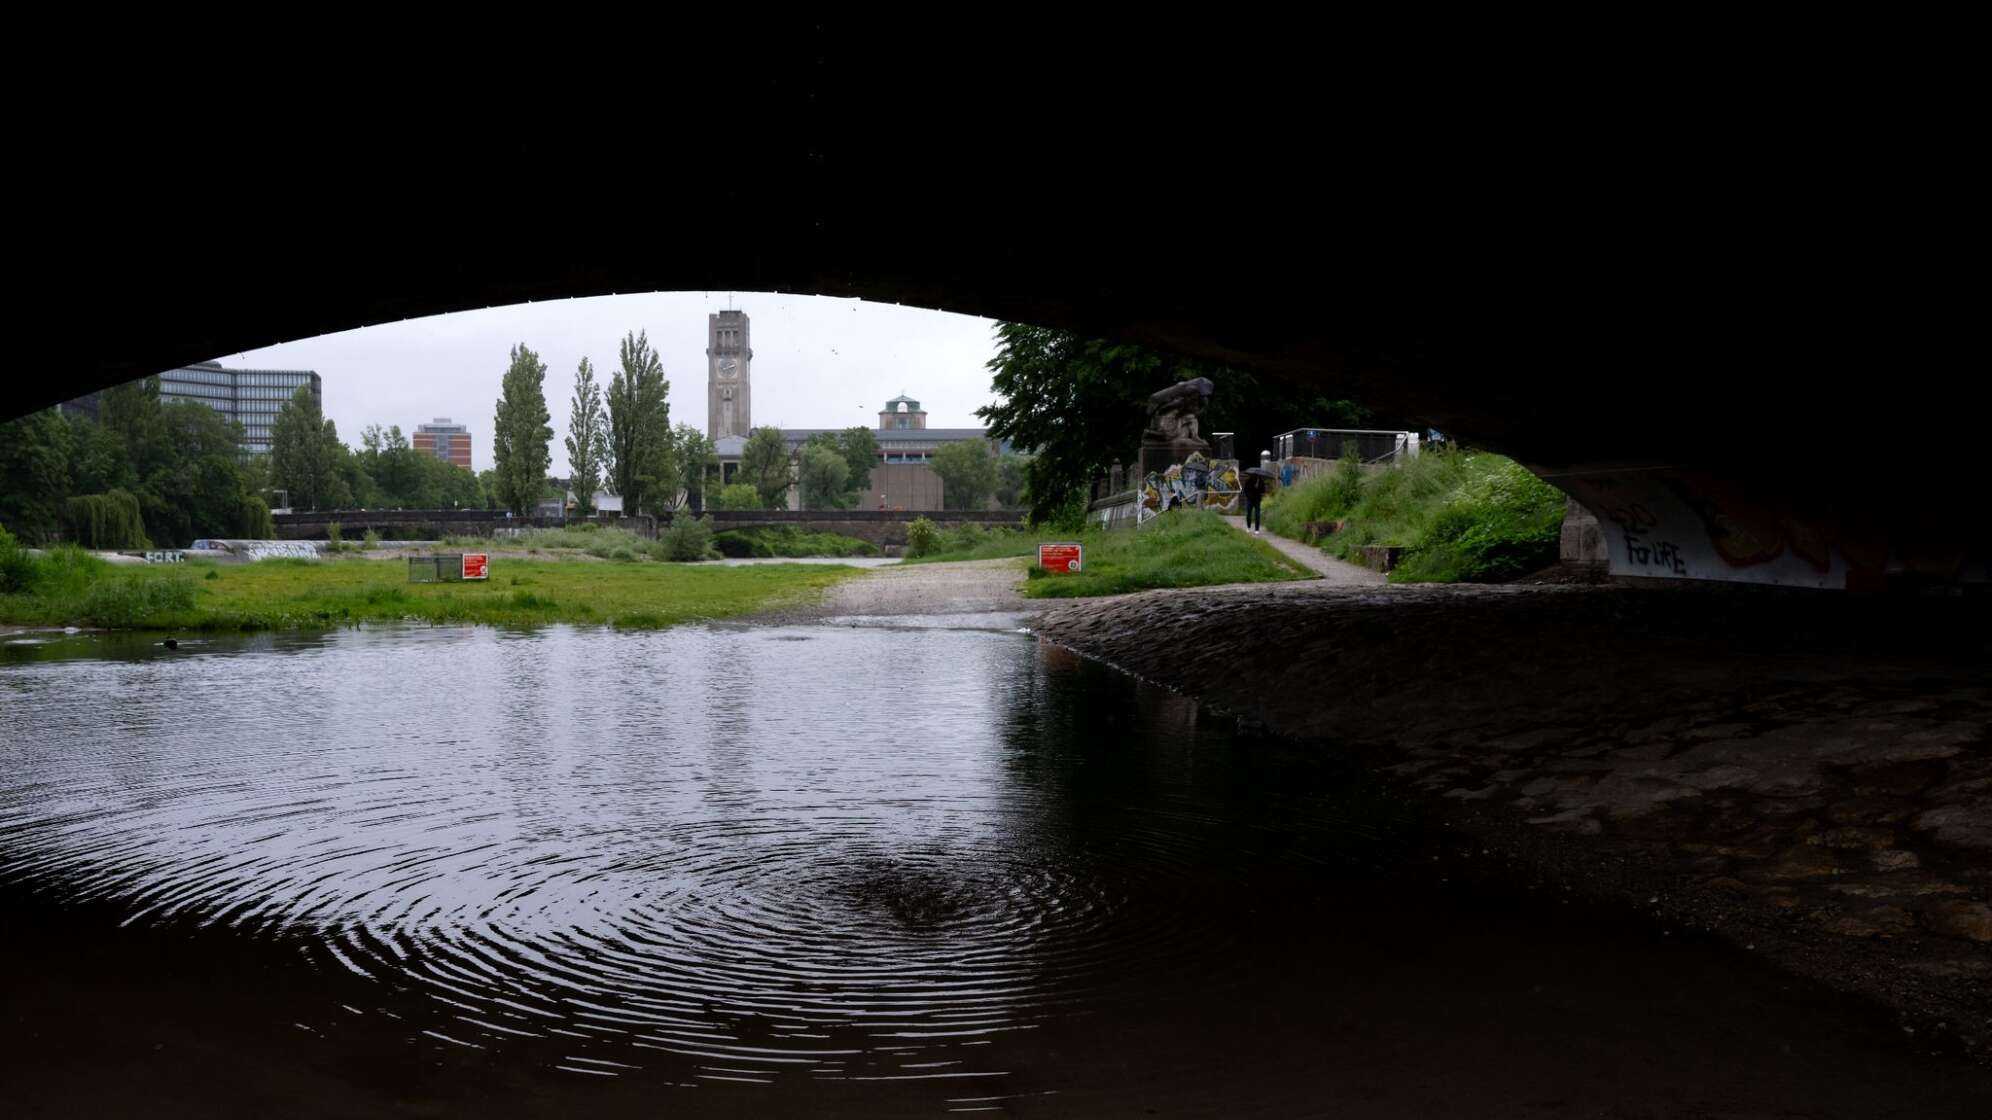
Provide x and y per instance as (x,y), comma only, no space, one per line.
(1809,776)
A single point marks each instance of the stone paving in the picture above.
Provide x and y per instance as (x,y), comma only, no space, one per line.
(1807,775)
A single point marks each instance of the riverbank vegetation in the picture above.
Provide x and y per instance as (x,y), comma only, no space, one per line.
(788,542)
(928,543)
(137,474)
(1180,549)
(1190,548)
(68,587)
(1460,516)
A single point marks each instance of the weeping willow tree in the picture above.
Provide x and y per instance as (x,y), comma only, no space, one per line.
(257,524)
(110,520)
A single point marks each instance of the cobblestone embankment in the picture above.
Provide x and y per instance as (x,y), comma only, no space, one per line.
(1809,776)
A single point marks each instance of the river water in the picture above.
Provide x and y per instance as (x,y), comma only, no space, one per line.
(813,870)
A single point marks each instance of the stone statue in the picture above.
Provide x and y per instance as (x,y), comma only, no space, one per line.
(1172,436)
(1172,414)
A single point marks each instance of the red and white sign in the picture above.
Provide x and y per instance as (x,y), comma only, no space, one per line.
(1060,556)
(476,565)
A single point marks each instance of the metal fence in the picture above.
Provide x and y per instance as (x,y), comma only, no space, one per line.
(1371,445)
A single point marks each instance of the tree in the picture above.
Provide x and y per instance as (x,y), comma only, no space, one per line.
(736,495)
(520,437)
(1011,483)
(397,471)
(34,474)
(639,424)
(764,465)
(696,459)
(487,485)
(305,455)
(585,438)
(1080,404)
(197,490)
(968,474)
(860,450)
(823,474)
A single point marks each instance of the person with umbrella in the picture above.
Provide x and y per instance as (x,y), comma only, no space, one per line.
(1255,492)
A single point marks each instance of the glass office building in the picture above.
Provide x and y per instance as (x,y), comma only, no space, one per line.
(250,397)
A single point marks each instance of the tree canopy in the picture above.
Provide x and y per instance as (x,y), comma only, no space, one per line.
(1078,405)
(520,436)
(968,474)
(764,465)
(305,455)
(639,427)
(822,474)
(587,438)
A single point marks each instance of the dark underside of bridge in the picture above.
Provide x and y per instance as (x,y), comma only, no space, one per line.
(1687,277)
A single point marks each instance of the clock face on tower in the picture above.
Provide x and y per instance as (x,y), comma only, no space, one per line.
(728,367)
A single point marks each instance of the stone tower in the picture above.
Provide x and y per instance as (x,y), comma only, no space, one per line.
(902,413)
(729,375)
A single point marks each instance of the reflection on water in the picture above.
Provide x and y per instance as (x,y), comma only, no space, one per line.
(745,857)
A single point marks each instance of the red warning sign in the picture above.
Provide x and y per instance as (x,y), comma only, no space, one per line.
(1060,556)
(476,565)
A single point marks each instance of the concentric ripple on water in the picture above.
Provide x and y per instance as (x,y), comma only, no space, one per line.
(726,854)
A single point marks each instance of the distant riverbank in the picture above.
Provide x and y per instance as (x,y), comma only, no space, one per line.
(66,587)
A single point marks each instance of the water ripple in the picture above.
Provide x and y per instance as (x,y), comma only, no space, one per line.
(748,856)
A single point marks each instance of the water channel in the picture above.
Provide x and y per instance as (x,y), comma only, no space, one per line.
(909,869)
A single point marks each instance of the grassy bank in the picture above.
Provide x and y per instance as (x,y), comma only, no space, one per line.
(69,588)
(1461,516)
(1182,549)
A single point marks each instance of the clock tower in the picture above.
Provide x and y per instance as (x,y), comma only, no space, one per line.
(729,384)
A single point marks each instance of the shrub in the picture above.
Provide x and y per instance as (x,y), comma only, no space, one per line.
(370,541)
(786,541)
(110,520)
(686,539)
(740,495)
(922,537)
(622,553)
(17,568)
(257,524)
(66,572)
(127,599)
(334,534)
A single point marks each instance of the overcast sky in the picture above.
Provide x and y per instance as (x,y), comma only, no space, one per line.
(818,362)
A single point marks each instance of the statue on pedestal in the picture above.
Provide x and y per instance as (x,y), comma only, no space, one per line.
(1171,436)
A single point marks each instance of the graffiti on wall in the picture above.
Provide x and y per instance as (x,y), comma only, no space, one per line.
(1682,525)
(1194,483)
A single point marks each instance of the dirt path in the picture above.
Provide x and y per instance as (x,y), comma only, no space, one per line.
(958,588)
(1338,573)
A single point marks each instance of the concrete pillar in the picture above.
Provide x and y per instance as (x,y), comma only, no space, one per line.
(1583,541)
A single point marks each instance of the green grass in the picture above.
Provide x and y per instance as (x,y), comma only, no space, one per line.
(1462,516)
(1182,549)
(69,588)
(789,542)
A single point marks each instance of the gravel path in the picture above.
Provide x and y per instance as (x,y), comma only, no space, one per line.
(967,587)
(1338,573)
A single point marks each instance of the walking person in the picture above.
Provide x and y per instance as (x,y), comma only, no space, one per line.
(1255,493)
